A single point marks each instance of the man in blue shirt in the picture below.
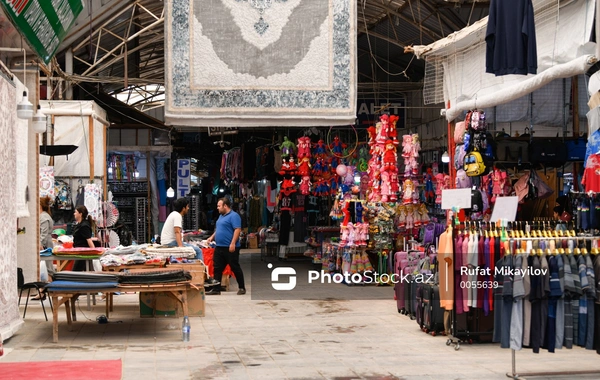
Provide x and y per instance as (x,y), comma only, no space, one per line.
(226,236)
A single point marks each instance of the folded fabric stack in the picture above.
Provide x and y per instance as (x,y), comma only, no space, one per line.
(169,251)
(155,276)
(121,250)
(110,260)
(69,280)
(85,253)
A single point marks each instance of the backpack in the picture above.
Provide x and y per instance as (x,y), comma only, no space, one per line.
(474,165)
(459,157)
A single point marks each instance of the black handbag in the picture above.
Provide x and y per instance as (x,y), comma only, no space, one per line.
(509,150)
(547,152)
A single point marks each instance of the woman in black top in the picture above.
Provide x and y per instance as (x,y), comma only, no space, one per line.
(82,233)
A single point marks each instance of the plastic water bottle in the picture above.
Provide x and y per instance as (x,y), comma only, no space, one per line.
(185,329)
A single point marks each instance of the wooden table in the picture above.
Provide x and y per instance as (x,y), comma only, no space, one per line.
(176,290)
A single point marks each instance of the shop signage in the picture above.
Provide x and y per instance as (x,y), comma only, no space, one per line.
(369,110)
(183,177)
(218,131)
(43,23)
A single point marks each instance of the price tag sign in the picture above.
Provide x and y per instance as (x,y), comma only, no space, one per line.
(505,208)
(460,198)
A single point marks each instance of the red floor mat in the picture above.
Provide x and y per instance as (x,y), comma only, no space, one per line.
(63,370)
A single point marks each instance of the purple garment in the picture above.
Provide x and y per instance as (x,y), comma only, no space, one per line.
(457,278)
(464,277)
(486,265)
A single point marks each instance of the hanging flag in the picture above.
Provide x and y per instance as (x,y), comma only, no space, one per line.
(43,23)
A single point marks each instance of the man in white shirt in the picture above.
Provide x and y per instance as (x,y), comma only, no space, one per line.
(172,231)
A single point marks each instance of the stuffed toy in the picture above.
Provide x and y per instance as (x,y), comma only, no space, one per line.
(409,217)
(337,147)
(372,131)
(401,217)
(390,158)
(320,149)
(305,185)
(333,185)
(364,234)
(349,178)
(429,191)
(292,166)
(497,184)
(416,145)
(385,186)
(393,132)
(304,167)
(358,212)
(303,147)
(351,235)
(344,237)
(287,147)
(285,167)
(287,184)
(424,214)
(408,192)
(407,146)
(382,129)
(394,186)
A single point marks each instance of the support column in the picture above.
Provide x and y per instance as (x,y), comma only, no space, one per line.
(69,71)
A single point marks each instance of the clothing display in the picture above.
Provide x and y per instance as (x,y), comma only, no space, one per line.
(510,38)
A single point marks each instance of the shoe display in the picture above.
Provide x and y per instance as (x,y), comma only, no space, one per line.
(210,282)
(213,291)
(241,292)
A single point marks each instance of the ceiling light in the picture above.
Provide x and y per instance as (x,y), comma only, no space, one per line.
(445,157)
(25,108)
(39,121)
(170,192)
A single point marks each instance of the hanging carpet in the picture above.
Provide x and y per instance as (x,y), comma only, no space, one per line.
(260,63)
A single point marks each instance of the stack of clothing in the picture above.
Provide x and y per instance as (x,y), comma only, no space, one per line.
(154,276)
(69,280)
(164,252)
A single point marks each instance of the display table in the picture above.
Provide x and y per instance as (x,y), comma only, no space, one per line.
(178,291)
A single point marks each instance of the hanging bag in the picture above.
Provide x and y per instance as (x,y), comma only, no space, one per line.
(474,165)
(512,150)
(547,152)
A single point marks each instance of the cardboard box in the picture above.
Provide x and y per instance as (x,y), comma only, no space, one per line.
(197,271)
(161,305)
(252,241)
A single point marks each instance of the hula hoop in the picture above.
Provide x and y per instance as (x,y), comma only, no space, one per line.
(353,149)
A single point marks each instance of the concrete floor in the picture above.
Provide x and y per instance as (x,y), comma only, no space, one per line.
(242,338)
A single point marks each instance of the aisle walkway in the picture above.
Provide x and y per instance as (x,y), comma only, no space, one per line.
(244,339)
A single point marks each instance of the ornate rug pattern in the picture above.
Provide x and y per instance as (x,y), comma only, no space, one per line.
(9,311)
(260,62)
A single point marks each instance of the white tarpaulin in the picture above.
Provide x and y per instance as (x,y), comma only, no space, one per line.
(456,63)
(71,127)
